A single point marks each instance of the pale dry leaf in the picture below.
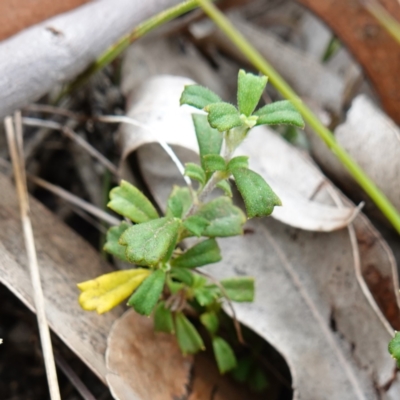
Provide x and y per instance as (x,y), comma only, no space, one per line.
(143,364)
(65,259)
(308,303)
(151,57)
(372,139)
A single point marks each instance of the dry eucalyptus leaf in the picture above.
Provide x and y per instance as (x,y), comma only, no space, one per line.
(156,105)
(208,383)
(143,364)
(64,259)
(372,139)
(152,57)
(309,303)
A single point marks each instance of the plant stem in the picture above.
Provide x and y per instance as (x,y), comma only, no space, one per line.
(116,49)
(391,24)
(325,134)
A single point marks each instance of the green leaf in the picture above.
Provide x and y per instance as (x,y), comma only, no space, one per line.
(250,89)
(209,139)
(131,203)
(210,321)
(240,289)
(394,347)
(224,218)
(282,118)
(206,295)
(198,96)
(147,294)
(214,162)
(203,253)
(283,105)
(112,245)
(223,116)
(149,242)
(280,112)
(194,171)
(225,186)
(238,162)
(183,275)
(179,202)
(199,281)
(195,224)
(163,321)
(258,381)
(258,196)
(224,355)
(242,372)
(189,340)
(174,287)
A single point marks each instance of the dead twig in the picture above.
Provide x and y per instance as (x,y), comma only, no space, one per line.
(357,265)
(84,205)
(116,119)
(68,132)
(14,138)
(74,378)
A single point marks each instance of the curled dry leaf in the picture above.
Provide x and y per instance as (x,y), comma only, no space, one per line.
(143,364)
(309,303)
(373,142)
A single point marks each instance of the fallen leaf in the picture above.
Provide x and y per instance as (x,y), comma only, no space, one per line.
(64,259)
(373,142)
(144,364)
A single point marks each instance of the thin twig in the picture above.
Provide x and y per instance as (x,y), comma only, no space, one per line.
(74,378)
(84,205)
(357,266)
(64,194)
(167,148)
(223,291)
(48,109)
(16,152)
(73,136)
(89,219)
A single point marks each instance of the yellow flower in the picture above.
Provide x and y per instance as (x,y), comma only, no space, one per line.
(107,291)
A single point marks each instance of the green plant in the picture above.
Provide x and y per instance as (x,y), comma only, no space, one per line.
(168,282)
(262,65)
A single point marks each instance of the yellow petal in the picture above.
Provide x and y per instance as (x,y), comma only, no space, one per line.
(107,291)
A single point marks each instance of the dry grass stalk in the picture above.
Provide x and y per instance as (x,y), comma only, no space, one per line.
(14,138)
(73,136)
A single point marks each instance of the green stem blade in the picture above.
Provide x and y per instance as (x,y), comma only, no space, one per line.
(325,134)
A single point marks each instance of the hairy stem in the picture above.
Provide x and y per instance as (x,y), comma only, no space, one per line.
(324,133)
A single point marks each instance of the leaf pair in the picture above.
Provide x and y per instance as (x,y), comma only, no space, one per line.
(189,339)
(224,116)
